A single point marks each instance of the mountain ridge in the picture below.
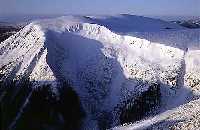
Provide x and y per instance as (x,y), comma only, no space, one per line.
(105,67)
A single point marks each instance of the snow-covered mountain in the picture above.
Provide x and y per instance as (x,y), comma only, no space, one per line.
(112,62)
(192,23)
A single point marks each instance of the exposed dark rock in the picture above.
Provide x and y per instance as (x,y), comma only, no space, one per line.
(168,28)
(6,31)
(24,107)
(136,109)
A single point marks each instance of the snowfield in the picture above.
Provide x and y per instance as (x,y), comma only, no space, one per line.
(110,60)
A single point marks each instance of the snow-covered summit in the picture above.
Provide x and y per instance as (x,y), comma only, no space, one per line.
(102,59)
(38,35)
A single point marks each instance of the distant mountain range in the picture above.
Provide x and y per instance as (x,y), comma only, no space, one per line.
(194,23)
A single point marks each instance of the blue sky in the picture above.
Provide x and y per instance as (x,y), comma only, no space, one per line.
(138,7)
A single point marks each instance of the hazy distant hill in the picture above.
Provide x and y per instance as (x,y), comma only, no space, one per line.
(194,23)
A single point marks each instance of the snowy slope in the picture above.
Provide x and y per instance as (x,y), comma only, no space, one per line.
(103,60)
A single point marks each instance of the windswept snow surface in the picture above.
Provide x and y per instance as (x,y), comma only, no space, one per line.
(104,60)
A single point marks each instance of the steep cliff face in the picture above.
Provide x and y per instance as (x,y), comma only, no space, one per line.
(111,73)
(7,30)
